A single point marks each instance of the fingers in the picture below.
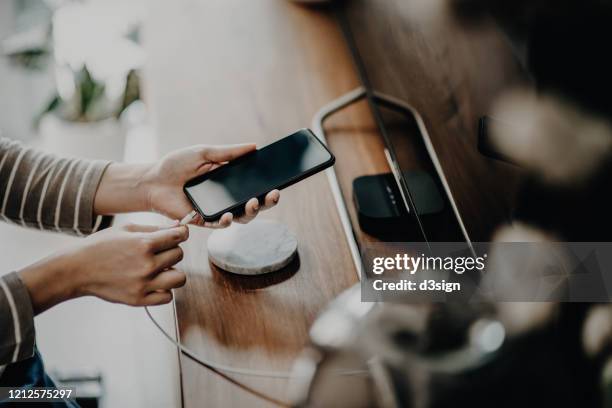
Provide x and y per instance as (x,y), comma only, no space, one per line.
(220,154)
(197,220)
(170,279)
(271,199)
(167,259)
(206,167)
(223,222)
(163,239)
(141,228)
(158,298)
(252,207)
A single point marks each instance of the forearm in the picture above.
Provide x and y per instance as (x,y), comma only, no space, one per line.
(17,331)
(50,281)
(47,192)
(123,189)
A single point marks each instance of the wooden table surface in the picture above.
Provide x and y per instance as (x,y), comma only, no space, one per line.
(231,71)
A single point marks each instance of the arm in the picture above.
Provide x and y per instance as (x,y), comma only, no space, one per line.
(43,191)
(49,193)
(133,264)
(77,196)
(16,320)
(158,187)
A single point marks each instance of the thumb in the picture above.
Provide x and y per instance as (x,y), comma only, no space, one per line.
(220,154)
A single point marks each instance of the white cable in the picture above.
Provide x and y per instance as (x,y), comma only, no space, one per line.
(220,367)
(234,370)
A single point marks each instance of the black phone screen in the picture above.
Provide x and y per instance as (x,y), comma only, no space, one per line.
(274,166)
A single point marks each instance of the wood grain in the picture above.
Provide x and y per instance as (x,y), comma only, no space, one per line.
(231,71)
(451,74)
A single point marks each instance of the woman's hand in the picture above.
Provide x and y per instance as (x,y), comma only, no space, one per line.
(166,179)
(159,187)
(132,264)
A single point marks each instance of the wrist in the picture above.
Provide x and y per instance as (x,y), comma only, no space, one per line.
(124,188)
(50,281)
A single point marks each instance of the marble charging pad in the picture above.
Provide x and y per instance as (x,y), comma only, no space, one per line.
(261,246)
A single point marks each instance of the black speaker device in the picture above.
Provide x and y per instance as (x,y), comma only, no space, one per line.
(380,206)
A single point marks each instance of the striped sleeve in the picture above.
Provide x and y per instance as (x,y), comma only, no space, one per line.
(43,191)
(16,320)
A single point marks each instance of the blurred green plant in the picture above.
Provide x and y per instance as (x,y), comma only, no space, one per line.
(33,51)
(89,102)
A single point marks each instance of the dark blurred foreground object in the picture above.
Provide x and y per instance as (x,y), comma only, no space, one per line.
(566,153)
(441,355)
(566,122)
(564,44)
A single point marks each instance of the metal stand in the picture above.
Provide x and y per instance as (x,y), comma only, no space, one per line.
(317,127)
(398,105)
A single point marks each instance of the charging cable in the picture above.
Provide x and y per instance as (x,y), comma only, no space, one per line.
(222,370)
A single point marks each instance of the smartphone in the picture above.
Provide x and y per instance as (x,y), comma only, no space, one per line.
(275,166)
